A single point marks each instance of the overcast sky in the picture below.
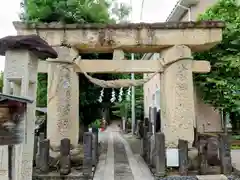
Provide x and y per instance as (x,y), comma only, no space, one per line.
(153,11)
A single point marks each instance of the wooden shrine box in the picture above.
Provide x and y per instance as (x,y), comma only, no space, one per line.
(12,110)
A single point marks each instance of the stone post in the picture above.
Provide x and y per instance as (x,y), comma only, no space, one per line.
(183,157)
(65,162)
(225,154)
(21,66)
(160,155)
(150,120)
(154,119)
(35,149)
(43,157)
(95,145)
(202,154)
(148,159)
(63,99)
(177,100)
(144,143)
(153,150)
(87,160)
(145,121)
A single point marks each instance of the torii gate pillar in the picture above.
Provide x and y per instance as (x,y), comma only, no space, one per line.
(177,99)
(63,98)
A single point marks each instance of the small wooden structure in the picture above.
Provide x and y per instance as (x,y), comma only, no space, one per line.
(12,109)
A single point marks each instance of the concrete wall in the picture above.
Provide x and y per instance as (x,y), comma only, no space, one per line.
(199,8)
(207,119)
(150,88)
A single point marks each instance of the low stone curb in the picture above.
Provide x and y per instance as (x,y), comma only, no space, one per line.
(202,177)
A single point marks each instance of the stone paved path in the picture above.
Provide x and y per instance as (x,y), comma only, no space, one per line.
(235,158)
(117,162)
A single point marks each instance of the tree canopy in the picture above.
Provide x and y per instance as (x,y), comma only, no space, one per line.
(75,11)
(221,87)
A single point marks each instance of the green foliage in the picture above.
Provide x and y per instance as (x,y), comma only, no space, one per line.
(123,109)
(42,90)
(74,11)
(96,123)
(221,87)
(77,11)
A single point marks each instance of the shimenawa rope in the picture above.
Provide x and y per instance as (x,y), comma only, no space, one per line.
(119,83)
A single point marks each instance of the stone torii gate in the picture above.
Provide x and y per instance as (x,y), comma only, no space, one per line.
(174,41)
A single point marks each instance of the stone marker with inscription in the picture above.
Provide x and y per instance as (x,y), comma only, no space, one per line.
(87,160)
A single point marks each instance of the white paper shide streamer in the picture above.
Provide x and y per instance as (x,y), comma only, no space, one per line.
(120,94)
(101,95)
(113,96)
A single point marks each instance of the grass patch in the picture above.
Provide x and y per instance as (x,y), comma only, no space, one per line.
(235,147)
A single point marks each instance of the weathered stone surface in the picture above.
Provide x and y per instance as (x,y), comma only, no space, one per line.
(160,155)
(152,151)
(145,122)
(65,162)
(87,161)
(94,149)
(148,159)
(212,151)
(95,131)
(177,107)
(212,177)
(32,43)
(154,119)
(41,136)
(138,128)
(140,37)
(21,69)
(63,110)
(43,157)
(141,129)
(202,153)
(164,25)
(193,160)
(183,157)
(225,154)
(35,149)
(158,121)
(144,143)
